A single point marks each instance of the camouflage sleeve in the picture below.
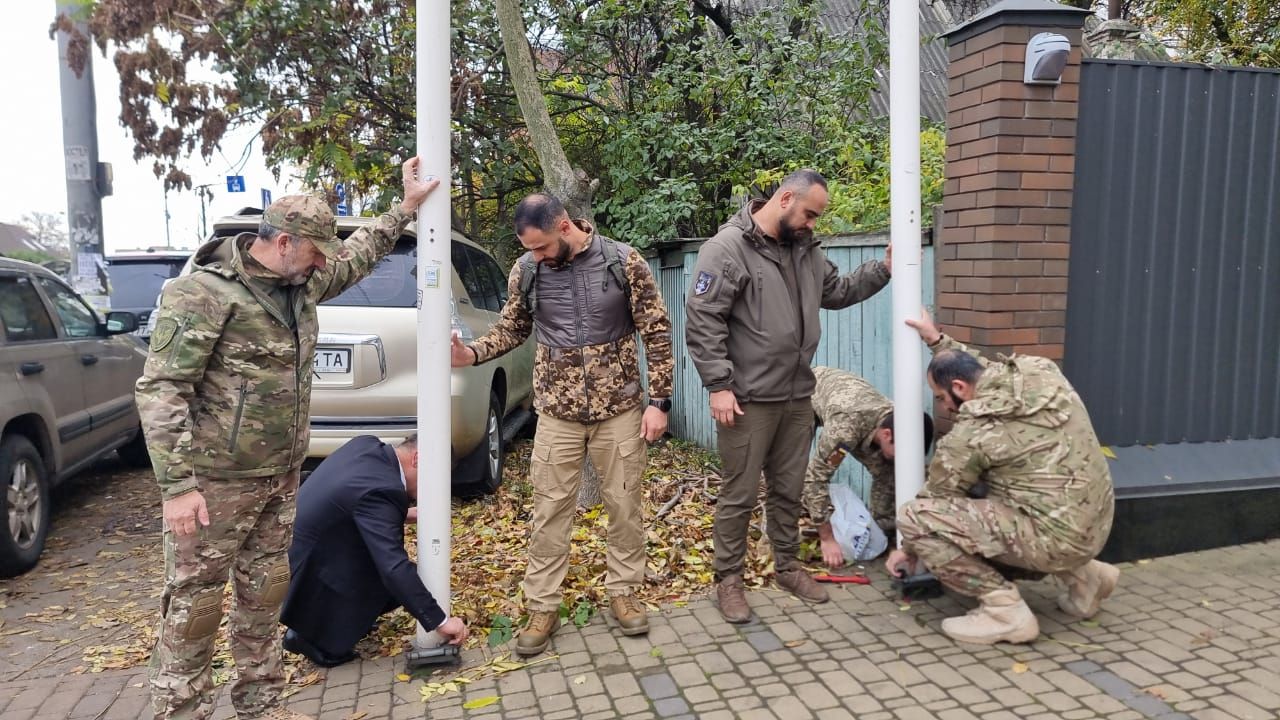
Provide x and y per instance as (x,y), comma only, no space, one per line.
(946,342)
(368,245)
(817,477)
(841,291)
(881,498)
(188,326)
(649,313)
(512,328)
(717,282)
(958,462)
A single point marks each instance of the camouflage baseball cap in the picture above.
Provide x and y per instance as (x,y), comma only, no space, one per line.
(309,217)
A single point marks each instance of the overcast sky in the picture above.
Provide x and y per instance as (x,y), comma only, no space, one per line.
(33,174)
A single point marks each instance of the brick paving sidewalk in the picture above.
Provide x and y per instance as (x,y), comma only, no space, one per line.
(1195,635)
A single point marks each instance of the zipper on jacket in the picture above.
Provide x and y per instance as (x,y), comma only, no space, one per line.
(177,335)
(235,424)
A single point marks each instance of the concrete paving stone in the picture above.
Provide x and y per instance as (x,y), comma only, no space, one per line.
(755,669)
(787,631)
(913,713)
(1240,708)
(697,640)
(659,685)
(631,705)
(620,685)
(823,665)
(930,695)
(902,673)
(645,661)
(670,707)
(969,695)
(728,681)
(585,683)
(1208,691)
(764,641)
(687,674)
(701,694)
(816,696)
(839,682)
(549,683)
(780,658)
(340,707)
(744,702)
(718,715)
(340,694)
(519,701)
(555,702)
(885,690)
(788,708)
(797,677)
(409,712)
(737,692)
(1010,697)
(1257,695)
(837,713)
(773,689)
(532,713)
(603,715)
(957,714)
(593,704)
(715,662)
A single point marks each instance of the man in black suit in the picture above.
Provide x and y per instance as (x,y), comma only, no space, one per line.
(348,559)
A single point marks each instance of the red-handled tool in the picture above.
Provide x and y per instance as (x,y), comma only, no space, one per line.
(855,579)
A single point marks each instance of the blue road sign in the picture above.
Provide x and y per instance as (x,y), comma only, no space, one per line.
(341,191)
(266,198)
(235,183)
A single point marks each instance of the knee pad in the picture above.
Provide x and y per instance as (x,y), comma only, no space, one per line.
(204,615)
(277,585)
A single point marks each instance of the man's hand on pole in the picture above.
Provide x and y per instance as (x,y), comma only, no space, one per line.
(416,189)
(929,332)
(454,631)
(459,354)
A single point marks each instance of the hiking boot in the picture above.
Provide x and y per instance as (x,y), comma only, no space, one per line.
(283,713)
(801,584)
(732,599)
(1087,586)
(537,634)
(630,614)
(1002,616)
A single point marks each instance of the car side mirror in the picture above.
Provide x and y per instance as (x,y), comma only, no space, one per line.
(120,322)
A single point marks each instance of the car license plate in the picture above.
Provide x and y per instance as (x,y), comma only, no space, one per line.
(332,360)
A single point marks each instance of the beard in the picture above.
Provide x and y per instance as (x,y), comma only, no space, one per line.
(562,255)
(789,233)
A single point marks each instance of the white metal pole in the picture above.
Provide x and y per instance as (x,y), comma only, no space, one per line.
(435,284)
(904,230)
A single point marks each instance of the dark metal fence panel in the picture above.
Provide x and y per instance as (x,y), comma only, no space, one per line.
(1173,312)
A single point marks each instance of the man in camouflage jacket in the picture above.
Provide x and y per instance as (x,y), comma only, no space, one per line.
(855,420)
(587,391)
(1021,430)
(224,401)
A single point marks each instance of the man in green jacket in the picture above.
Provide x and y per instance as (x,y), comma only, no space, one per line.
(224,401)
(752,330)
(1023,432)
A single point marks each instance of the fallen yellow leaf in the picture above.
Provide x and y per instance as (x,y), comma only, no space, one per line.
(402,677)
(1108,452)
(1019,668)
(480,702)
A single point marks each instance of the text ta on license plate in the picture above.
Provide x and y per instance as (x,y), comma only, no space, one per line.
(332,360)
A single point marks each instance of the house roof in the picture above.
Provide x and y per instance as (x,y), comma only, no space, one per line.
(16,237)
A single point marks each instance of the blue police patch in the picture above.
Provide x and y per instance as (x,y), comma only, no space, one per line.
(704,283)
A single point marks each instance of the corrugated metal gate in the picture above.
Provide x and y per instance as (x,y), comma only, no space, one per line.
(1173,310)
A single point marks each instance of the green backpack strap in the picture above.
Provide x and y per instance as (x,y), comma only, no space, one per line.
(528,285)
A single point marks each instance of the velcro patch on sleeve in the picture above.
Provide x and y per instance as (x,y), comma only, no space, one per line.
(704,282)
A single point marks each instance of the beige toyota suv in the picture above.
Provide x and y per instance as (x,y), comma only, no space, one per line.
(365,380)
(66,399)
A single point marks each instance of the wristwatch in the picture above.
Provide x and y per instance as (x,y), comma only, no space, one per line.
(663,404)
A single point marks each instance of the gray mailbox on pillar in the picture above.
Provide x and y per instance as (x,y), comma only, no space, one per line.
(1046,58)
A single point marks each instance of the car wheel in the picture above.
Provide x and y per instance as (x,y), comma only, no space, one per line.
(480,473)
(24,506)
(134,453)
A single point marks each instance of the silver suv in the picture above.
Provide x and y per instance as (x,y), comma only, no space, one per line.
(66,399)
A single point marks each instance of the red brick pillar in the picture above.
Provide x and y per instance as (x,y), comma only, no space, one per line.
(1002,282)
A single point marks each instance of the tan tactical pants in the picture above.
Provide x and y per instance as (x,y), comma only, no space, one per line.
(976,546)
(618,452)
(250,527)
(772,437)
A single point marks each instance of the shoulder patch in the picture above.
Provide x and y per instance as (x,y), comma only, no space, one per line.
(166,328)
(704,282)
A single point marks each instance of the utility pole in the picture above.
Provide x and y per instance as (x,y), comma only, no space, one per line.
(87,181)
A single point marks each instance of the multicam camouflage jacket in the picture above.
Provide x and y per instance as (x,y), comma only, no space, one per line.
(586,367)
(226,391)
(849,410)
(1028,436)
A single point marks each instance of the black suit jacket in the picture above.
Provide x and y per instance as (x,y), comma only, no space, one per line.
(348,559)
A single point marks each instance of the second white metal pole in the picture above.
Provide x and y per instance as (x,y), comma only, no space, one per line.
(904,232)
(435,284)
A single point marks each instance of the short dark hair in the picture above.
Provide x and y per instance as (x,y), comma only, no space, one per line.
(539,210)
(267,231)
(887,422)
(409,442)
(801,180)
(950,365)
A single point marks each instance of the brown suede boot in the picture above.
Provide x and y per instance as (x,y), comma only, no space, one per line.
(630,614)
(1001,617)
(537,634)
(801,584)
(1087,586)
(731,596)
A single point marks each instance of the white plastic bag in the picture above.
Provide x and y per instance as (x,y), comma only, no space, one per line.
(855,532)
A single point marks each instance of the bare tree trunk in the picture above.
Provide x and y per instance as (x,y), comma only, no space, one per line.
(561,179)
(1114,9)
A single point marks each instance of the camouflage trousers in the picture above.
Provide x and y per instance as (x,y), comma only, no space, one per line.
(977,546)
(773,438)
(250,527)
(619,454)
